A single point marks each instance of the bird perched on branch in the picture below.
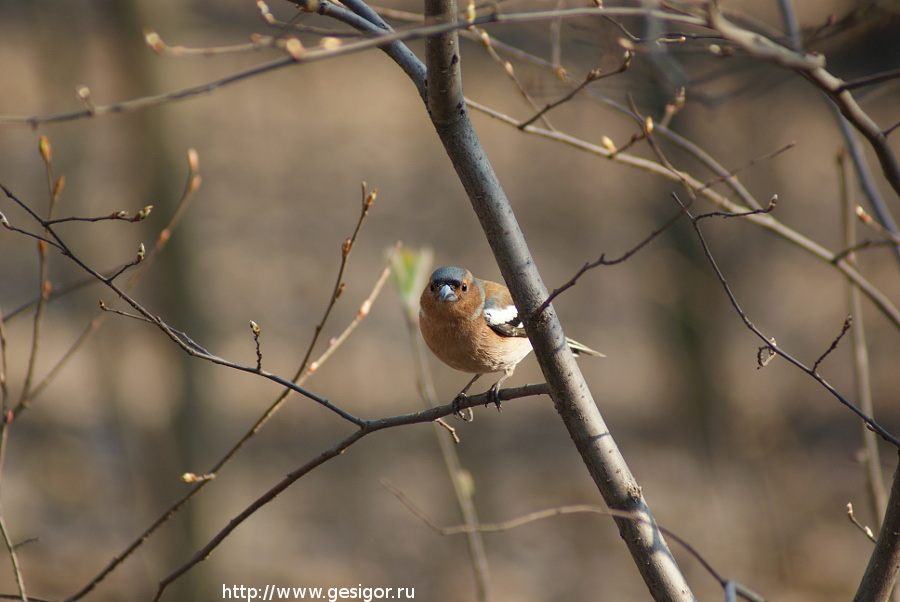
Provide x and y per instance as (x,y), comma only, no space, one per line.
(473,326)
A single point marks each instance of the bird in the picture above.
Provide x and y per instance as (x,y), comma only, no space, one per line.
(473,326)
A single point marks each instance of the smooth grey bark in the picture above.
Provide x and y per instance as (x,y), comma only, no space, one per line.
(884,564)
(568,389)
(440,84)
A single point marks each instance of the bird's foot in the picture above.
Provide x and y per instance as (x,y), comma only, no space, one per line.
(493,397)
(468,415)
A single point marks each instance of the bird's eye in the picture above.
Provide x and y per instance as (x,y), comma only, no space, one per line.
(431,287)
(463,287)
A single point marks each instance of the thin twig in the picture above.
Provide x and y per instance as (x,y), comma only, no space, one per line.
(255,428)
(361,313)
(328,51)
(861,365)
(453,465)
(813,67)
(878,298)
(366,428)
(603,261)
(881,573)
(870,80)
(592,76)
(509,70)
(195,350)
(848,322)
(751,163)
(367,200)
(4,532)
(886,435)
(54,189)
(866,530)
(537,515)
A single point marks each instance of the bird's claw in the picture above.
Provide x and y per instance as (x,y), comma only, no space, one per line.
(493,397)
(468,416)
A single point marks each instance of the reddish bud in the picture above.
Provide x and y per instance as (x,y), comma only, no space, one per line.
(154,41)
(193,160)
(143,213)
(265,12)
(59,185)
(295,49)
(863,215)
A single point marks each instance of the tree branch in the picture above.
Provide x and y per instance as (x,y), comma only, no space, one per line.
(568,389)
(884,564)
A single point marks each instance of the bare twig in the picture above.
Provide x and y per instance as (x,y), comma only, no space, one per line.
(367,200)
(870,80)
(881,572)
(254,328)
(848,322)
(592,76)
(813,67)
(510,72)
(866,530)
(751,163)
(879,299)
(537,515)
(886,435)
(569,391)
(361,313)
(4,532)
(191,186)
(329,50)
(861,371)
(410,275)
(603,261)
(54,190)
(195,350)
(366,427)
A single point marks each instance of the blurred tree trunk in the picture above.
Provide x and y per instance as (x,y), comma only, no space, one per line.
(170,453)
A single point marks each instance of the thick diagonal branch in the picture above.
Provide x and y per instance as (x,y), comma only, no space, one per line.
(567,386)
(884,564)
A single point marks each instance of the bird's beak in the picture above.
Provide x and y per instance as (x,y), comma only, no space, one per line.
(445,293)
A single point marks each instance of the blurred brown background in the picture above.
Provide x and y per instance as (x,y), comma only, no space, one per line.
(753,467)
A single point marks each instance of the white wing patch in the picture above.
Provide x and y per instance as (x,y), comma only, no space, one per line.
(496,316)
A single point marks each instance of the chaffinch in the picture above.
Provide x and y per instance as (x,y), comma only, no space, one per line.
(473,326)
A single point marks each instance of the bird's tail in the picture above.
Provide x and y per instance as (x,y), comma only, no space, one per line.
(579,349)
